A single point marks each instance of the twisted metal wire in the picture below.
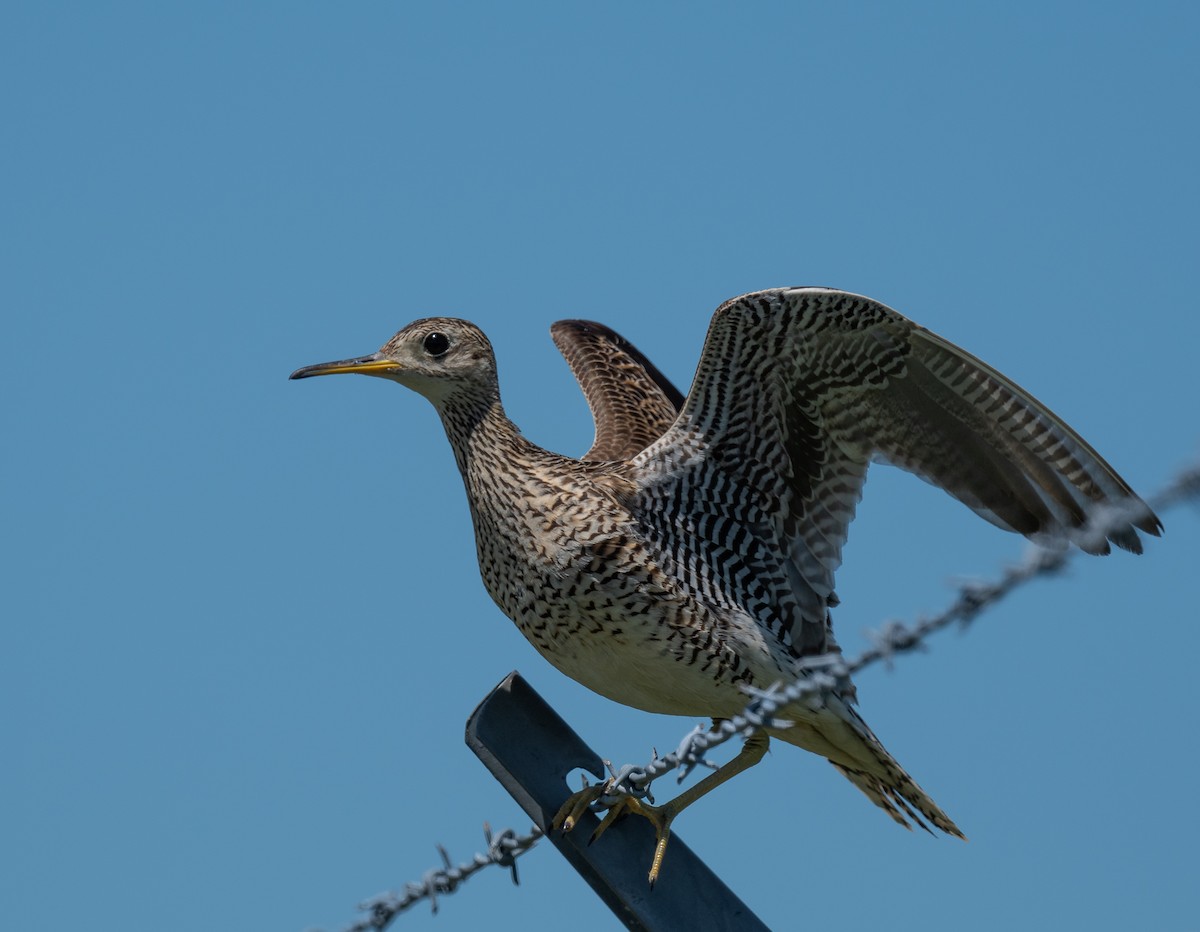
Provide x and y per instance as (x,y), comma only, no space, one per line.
(826,673)
(503,850)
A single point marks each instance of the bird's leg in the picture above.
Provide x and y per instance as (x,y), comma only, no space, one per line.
(662,816)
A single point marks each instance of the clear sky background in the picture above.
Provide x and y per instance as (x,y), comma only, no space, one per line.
(243,621)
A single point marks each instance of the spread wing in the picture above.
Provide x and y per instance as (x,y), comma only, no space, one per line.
(632,403)
(797,391)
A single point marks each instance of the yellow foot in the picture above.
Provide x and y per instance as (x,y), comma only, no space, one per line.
(576,805)
(659,816)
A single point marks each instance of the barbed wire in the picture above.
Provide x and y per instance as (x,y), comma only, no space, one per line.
(502,849)
(825,674)
(829,673)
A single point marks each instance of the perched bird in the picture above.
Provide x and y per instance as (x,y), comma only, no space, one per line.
(691,552)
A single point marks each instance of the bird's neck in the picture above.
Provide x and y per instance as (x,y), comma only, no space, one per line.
(479,431)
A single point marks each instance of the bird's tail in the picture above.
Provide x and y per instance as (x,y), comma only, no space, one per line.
(853,749)
(901,798)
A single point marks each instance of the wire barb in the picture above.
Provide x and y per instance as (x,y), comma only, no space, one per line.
(503,849)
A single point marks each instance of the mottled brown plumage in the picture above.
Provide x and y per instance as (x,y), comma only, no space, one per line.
(632,403)
(692,551)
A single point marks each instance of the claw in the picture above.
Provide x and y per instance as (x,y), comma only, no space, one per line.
(658,816)
(609,818)
(662,816)
(577,804)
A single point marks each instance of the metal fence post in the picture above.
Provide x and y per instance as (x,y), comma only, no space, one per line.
(530,749)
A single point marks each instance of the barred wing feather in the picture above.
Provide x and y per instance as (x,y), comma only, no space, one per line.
(632,403)
(753,488)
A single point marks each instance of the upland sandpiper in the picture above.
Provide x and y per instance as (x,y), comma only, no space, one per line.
(691,552)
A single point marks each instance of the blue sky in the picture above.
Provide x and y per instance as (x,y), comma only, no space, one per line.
(244,622)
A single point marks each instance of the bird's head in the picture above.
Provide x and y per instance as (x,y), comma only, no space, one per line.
(440,357)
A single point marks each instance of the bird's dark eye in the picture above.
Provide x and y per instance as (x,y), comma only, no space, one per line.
(436,343)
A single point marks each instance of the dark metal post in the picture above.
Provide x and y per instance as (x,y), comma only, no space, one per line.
(531,750)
